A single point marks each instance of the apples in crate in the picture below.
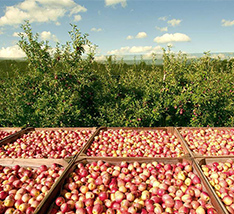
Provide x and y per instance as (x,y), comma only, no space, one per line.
(220,174)
(23,188)
(46,144)
(133,187)
(210,141)
(135,143)
(4,134)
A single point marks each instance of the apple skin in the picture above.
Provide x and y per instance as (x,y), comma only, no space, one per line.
(43,168)
(65,207)
(59,201)
(34,192)
(23,207)
(2,208)
(10,211)
(3,195)
(9,202)
(81,211)
(30,210)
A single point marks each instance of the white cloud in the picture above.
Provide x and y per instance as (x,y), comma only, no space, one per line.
(227,23)
(156,50)
(96,29)
(64,3)
(129,37)
(174,22)
(40,11)
(140,49)
(15,34)
(176,37)
(135,50)
(114,2)
(77,9)
(13,16)
(47,35)
(162,29)
(90,49)
(77,18)
(120,51)
(12,52)
(141,35)
(28,5)
(163,18)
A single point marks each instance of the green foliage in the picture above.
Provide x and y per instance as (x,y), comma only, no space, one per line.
(59,88)
(37,52)
(68,88)
(11,68)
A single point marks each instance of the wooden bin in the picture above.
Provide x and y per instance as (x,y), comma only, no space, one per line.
(115,161)
(167,129)
(194,154)
(205,161)
(35,163)
(13,138)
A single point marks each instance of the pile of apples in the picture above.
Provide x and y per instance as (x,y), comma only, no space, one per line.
(221,177)
(136,188)
(46,144)
(132,143)
(4,134)
(210,142)
(23,188)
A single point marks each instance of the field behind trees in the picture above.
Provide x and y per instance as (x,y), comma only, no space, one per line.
(65,89)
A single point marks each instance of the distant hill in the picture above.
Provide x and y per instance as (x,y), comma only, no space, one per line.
(131,59)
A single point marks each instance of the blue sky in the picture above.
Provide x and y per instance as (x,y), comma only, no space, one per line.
(123,27)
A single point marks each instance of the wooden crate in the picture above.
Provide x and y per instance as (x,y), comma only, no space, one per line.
(205,161)
(19,134)
(115,161)
(35,163)
(171,130)
(13,137)
(192,153)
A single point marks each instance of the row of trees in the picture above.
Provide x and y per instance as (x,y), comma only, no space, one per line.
(66,89)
